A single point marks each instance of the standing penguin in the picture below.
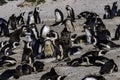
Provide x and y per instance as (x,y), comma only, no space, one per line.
(59,18)
(36,15)
(30,18)
(114,9)
(70,13)
(12,22)
(44,31)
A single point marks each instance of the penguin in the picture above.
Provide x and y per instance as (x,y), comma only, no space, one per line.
(93,77)
(36,15)
(87,15)
(30,18)
(59,17)
(23,69)
(44,31)
(108,12)
(88,61)
(106,45)
(48,49)
(69,25)
(8,48)
(95,53)
(20,19)
(3,43)
(70,13)
(33,27)
(74,50)
(12,22)
(109,67)
(39,66)
(7,74)
(52,75)
(114,9)
(27,55)
(4,28)
(7,61)
(117,33)
(15,36)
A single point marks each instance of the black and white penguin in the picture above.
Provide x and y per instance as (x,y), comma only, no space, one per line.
(106,45)
(20,19)
(114,9)
(70,13)
(74,50)
(109,67)
(36,15)
(3,43)
(8,48)
(27,55)
(4,27)
(39,66)
(117,33)
(93,77)
(44,31)
(52,75)
(33,27)
(12,22)
(88,61)
(7,61)
(108,13)
(59,17)
(23,69)
(95,53)
(30,18)
(7,74)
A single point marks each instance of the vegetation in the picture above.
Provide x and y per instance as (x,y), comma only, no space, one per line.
(2,2)
(38,1)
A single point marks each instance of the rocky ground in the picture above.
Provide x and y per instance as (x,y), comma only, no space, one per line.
(47,16)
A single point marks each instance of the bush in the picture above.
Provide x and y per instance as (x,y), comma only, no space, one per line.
(2,2)
(38,1)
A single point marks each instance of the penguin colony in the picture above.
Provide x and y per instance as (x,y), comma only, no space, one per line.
(47,43)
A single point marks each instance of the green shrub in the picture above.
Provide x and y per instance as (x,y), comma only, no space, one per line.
(2,2)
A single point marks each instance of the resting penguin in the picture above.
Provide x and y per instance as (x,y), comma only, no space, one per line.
(23,69)
(93,77)
(7,61)
(88,61)
(8,48)
(30,18)
(109,67)
(70,13)
(3,43)
(36,15)
(39,66)
(12,22)
(52,75)
(44,31)
(27,55)
(7,74)
(59,18)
